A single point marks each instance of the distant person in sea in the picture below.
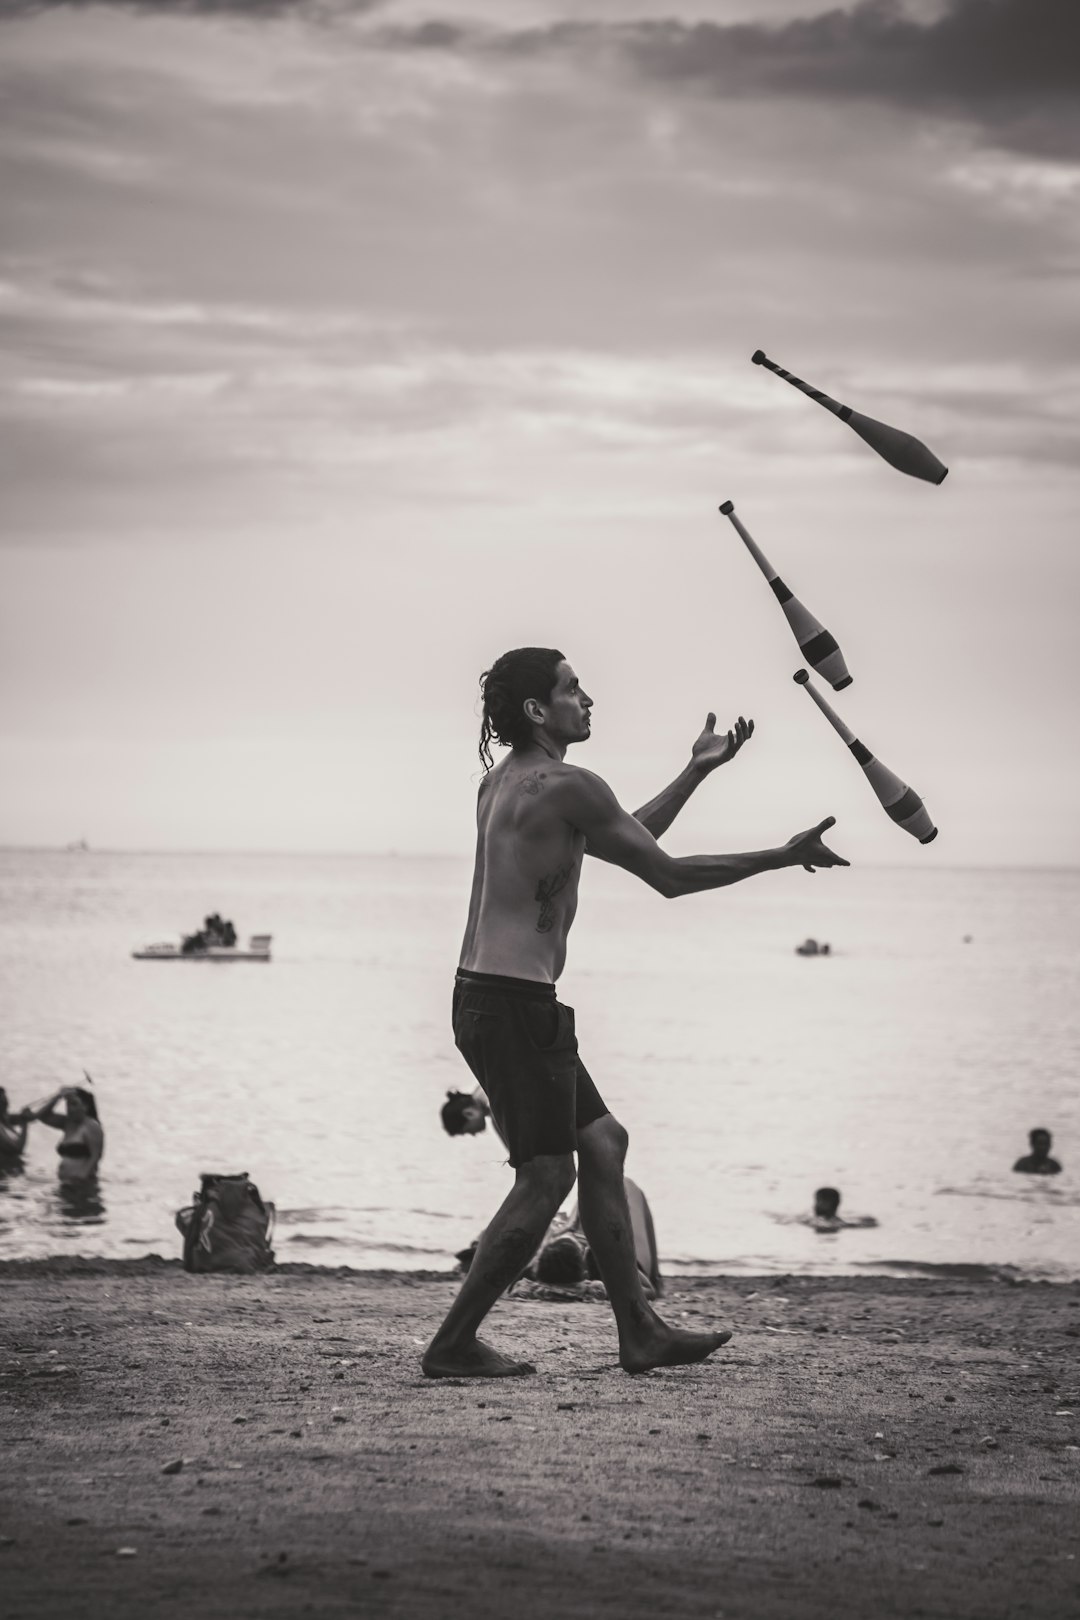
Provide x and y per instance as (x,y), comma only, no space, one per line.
(219,930)
(465,1113)
(537,817)
(12,1131)
(1038,1162)
(827,1217)
(83,1140)
(214,931)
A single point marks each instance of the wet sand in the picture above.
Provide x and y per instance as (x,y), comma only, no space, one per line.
(863,1447)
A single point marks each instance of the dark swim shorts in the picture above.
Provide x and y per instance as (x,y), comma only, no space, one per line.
(519,1042)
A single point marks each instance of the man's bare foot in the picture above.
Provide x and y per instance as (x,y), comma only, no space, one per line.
(476,1360)
(670,1347)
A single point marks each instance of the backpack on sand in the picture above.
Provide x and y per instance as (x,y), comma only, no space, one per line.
(228,1227)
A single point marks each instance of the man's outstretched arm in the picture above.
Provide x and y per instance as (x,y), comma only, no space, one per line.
(708,752)
(614,835)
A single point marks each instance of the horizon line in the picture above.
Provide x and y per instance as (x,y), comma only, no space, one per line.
(84,848)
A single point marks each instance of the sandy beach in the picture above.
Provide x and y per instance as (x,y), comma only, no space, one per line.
(267,1446)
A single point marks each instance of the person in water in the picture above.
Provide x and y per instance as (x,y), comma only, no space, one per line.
(83,1140)
(827,1217)
(1038,1162)
(465,1113)
(12,1130)
(537,817)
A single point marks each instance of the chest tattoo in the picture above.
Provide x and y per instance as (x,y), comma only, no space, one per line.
(546,890)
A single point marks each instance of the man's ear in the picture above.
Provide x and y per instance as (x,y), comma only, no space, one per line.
(533,711)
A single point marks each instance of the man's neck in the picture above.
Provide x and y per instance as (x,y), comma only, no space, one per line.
(542,745)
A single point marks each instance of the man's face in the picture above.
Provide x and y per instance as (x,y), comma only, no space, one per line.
(1040,1143)
(567,709)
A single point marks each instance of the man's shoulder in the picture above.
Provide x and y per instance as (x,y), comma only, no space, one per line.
(576,778)
(536,776)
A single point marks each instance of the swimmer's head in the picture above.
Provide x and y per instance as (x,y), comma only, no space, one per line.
(826,1203)
(1040,1140)
(461,1114)
(562,1261)
(520,675)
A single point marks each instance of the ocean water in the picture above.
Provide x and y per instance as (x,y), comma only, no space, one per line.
(905,1068)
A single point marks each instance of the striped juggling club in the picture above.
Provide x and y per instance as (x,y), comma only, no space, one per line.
(816,644)
(899,801)
(901,450)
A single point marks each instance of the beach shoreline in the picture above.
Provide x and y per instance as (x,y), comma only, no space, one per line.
(863,1446)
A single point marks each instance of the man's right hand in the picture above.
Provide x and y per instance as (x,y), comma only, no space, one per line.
(807,849)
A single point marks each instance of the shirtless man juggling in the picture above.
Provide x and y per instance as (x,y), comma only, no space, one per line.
(537,818)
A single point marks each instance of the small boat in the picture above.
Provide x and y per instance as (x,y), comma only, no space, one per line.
(258,950)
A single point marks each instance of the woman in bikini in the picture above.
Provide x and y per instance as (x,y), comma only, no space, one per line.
(83,1142)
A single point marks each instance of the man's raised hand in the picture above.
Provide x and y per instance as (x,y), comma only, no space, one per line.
(808,850)
(710,750)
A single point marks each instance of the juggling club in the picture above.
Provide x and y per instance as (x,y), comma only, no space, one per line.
(901,450)
(899,801)
(817,645)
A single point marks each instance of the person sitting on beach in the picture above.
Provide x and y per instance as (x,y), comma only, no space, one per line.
(826,1216)
(465,1113)
(12,1130)
(83,1142)
(1038,1162)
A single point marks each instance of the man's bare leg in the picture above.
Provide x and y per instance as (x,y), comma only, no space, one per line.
(504,1250)
(645,1340)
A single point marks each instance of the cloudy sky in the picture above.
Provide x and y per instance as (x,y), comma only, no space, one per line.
(348,343)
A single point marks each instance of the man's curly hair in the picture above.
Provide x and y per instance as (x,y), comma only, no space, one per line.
(526,672)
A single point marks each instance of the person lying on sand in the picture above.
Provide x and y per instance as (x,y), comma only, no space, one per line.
(1038,1162)
(565,1261)
(536,818)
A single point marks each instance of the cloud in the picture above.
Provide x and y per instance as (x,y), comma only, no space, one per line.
(1010,67)
(255,10)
